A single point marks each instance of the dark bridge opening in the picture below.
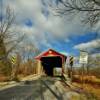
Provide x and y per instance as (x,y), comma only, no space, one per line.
(49,63)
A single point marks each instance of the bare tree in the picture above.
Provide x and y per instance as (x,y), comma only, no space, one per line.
(7,35)
(89,8)
(29,51)
(94,65)
(9,39)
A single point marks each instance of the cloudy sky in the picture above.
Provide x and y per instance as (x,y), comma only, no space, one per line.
(45,30)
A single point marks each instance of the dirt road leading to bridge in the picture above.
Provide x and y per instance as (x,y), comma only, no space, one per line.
(45,88)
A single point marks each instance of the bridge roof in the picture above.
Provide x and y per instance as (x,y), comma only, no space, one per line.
(50,52)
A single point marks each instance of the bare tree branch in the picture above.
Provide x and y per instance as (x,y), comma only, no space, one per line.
(91,9)
(96,2)
(6,32)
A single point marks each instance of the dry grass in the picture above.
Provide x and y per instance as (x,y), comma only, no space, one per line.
(91,85)
(3,78)
(93,80)
(90,89)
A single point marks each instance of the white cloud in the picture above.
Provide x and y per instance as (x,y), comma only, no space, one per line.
(65,53)
(96,55)
(89,45)
(57,26)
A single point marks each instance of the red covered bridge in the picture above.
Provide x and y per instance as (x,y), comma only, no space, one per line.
(49,60)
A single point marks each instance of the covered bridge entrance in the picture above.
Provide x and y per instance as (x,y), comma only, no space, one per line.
(49,61)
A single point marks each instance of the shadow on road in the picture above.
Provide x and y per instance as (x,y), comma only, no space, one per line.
(31,90)
(58,97)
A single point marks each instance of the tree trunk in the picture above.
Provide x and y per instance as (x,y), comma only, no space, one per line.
(5,67)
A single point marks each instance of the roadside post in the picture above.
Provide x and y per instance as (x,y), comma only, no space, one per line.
(13,61)
(83,60)
(71,61)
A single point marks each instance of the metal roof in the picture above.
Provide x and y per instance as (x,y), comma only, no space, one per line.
(49,52)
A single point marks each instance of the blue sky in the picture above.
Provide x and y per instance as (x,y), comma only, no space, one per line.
(45,30)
